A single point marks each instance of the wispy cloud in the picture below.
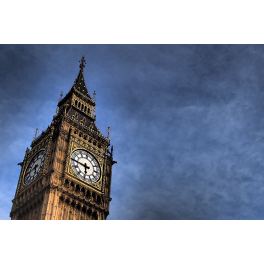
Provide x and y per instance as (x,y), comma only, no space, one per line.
(187,123)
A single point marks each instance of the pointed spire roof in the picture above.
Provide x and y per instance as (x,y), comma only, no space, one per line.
(79,87)
(79,83)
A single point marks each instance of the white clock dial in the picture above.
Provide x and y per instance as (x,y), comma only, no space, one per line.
(34,167)
(85,166)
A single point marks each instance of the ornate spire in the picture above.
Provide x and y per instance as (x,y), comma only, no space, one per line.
(82,61)
(79,83)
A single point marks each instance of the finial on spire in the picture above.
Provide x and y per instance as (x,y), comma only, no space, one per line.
(27,151)
(36,132)
(61,94)
(108,130)
(94,94)
(82,61)
(57,109)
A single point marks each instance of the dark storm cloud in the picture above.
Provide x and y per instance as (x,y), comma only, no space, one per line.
(187,123)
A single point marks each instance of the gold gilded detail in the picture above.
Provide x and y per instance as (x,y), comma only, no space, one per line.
(74,146)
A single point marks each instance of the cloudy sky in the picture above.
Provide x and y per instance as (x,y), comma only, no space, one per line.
(187,123)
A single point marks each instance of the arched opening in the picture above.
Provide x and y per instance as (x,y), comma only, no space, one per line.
(84,209)
(66,183)
(82,192)
(77,189)
(94,216)
(88,195)
(89,212)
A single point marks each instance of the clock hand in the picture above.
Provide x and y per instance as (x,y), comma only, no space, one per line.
(79,162)
(35,167)
(84,165)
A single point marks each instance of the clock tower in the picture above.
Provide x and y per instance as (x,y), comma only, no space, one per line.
(66,175)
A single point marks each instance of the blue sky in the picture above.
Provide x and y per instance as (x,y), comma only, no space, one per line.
(187,123)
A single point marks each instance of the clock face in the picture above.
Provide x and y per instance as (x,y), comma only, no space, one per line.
(34,167)
(85,166)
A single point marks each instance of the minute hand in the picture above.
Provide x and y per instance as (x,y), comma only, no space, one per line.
(84,165)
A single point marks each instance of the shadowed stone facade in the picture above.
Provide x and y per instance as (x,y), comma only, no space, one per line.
(66,175)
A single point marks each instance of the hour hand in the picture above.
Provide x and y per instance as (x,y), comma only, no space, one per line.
(35,167)
(84,165)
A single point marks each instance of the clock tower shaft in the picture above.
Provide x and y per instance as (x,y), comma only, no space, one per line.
(59,191)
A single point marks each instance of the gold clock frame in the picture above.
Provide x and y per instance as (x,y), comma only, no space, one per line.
(73,146)
(101,174)
(27,164)
(44,144)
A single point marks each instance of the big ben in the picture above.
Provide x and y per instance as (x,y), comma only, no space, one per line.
(66,175)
